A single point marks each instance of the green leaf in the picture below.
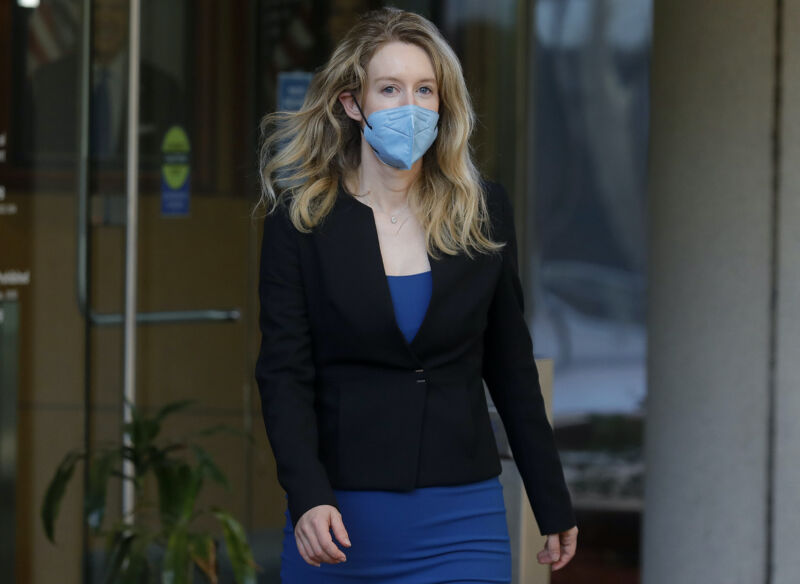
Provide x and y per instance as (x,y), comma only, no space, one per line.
(239,551)
(144,432)
(95,501)
(203,551)
(208,467)
(177,490)
(138,569)
(118,548)
(178,567)
(56,489)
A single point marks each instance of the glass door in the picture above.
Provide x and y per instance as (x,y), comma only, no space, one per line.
(127,256)
(43,354)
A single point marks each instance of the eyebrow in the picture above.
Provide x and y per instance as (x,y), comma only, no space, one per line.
(428,80)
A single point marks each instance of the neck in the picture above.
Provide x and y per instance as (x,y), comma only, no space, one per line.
(388,187)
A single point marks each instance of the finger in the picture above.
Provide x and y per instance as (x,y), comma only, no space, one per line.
(338,529)
(316,535)
(563,561)
(551,552)
(304,551)
(566,556)
(313,546)
(553,547)
(326,542)
(543,556)
(569,545)
(314,555)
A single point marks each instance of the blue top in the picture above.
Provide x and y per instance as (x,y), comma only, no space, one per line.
(410,295)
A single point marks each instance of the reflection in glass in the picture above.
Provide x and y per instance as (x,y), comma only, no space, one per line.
(590,283)
(50,132)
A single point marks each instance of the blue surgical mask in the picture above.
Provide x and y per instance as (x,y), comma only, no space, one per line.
(400,135)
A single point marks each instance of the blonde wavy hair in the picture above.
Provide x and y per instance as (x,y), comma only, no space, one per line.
(305,154)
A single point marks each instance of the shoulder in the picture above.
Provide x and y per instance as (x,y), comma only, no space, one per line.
(278,224)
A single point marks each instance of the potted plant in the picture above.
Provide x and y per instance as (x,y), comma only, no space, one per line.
(168,523)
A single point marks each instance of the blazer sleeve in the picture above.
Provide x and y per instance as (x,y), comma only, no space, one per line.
(509,369)
(285,369)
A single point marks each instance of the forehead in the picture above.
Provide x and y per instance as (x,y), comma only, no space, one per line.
(403,61)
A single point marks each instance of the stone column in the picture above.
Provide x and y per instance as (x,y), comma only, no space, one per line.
(722,441)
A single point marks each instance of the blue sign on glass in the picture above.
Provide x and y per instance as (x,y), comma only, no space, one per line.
(174,202)
(292,88)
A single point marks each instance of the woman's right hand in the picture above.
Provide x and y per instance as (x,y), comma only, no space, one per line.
(313,536)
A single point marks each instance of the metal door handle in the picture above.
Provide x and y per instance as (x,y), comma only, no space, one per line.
(166,316)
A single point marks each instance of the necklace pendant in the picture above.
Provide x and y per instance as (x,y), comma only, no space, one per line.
(394,218)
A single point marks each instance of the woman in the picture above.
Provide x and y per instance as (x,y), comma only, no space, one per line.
(389,293)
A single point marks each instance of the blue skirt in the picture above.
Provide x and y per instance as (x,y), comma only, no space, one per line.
(454,534)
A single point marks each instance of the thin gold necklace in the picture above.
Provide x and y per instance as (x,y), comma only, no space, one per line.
(393,217)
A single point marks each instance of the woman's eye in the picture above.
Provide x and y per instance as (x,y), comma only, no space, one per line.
(426,90)
(388,89)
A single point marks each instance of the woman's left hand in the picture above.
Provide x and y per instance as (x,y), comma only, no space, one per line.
(559,548)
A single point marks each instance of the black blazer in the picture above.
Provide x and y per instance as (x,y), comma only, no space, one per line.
(348,403)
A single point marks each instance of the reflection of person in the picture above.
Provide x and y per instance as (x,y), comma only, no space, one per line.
(110,38)
(52,126)
(385,304)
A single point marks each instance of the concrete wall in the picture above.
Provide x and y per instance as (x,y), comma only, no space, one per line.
(721,442)
(787,382)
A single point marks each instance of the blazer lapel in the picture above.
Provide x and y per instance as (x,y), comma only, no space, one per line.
(354,240)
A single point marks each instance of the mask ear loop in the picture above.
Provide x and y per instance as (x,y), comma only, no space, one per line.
(362,113)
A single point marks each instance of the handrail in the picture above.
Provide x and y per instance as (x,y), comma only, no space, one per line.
(167,316)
